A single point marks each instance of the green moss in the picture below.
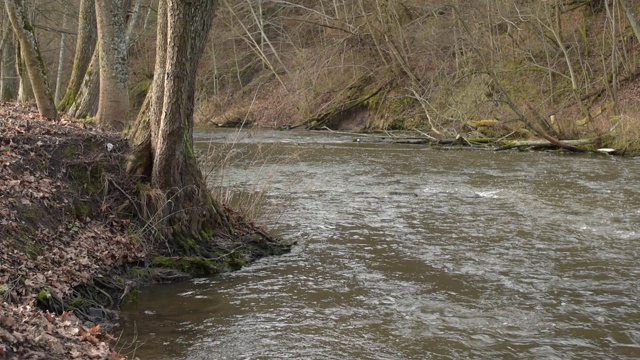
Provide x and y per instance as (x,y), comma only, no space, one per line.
(132,296)
(237,261)
(143,186)
(41,165)
(44,295)
(206,233)
(88,179)
(71,151)
(27,26)
(79,174)
(81,210)
(78,303)
(87,120)
(191,244)
(141,273)
(189,145)
(197,266)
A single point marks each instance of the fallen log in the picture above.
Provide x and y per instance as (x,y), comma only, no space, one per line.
(545,143)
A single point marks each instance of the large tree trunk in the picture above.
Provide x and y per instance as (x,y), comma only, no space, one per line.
(113,107)
(145,132)
(85,46)
(163,134)
(33,61)
(8,70)
(86,100)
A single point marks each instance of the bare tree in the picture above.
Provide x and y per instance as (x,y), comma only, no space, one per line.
(33,61)
(8,71)
(85,46)
(63,35)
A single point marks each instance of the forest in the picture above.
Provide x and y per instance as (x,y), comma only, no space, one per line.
(482,69)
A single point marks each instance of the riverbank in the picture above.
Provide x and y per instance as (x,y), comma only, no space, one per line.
(73,248)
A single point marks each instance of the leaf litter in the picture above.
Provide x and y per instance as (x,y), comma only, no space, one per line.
(58,229)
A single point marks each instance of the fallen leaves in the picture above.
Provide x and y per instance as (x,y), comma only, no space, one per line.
(27,332)
(54,234)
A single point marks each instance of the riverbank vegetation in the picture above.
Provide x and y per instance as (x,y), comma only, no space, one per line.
(564,69)
(482,69)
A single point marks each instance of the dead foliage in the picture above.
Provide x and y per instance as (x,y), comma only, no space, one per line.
(60,186)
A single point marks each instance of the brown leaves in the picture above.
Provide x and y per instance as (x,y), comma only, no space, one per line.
(53,233)
(27,330)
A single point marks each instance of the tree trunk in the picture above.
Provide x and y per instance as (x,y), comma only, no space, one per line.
(25,92)
(8,70)
(163,134)
(56,95)
(133,21)
(86,100)
(85,46)
(113,107)
(33,61)
(144,134)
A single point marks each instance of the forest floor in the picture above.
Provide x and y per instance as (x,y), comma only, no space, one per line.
(66,240)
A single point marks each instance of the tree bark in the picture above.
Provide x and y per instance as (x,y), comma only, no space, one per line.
(25,92)
(56,95)
(144,134)
(163,134)
(133,20)
(33,61)
(113,107)
(85,46)
(8,70)
(86,99)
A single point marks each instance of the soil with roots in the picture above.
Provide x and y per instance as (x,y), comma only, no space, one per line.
(72,246)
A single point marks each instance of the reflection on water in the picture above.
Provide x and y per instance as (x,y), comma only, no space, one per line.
(412,253)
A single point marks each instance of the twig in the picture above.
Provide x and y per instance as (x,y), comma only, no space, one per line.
(425,134)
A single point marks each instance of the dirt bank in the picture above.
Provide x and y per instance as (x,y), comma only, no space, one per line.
(71,246)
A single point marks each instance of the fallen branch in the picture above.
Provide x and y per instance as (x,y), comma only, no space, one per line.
(564,144)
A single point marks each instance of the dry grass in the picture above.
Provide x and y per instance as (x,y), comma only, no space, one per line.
(246,195)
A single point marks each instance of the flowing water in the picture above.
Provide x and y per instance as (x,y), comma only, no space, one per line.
(406,252)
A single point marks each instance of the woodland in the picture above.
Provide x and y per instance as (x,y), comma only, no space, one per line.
(81,78)
(441,69)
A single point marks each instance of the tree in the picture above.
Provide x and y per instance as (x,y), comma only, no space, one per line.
(113,107)
(25,34)
(8,71)
(63,36)
(85,46)
(163,134)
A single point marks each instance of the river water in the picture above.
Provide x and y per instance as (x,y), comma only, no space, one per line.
(407,252)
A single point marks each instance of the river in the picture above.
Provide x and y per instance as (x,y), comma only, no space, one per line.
(408,252)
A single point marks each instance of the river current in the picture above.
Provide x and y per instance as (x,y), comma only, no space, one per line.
(408,252)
